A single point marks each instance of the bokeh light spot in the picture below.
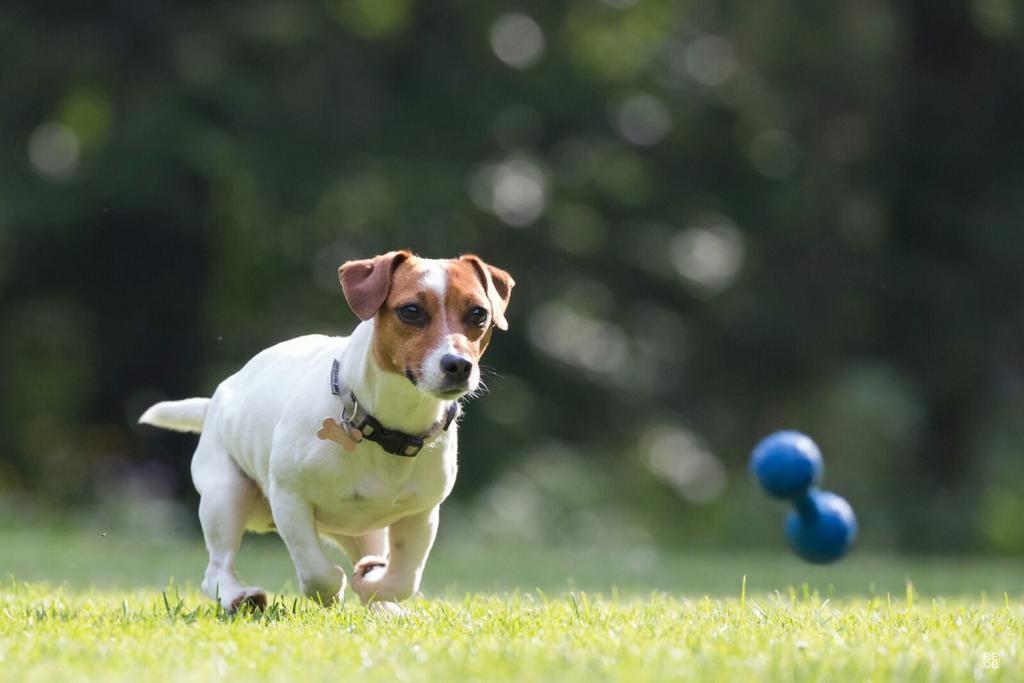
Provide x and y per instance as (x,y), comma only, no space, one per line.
(643,120)
(514,190)
(710,60)
(581,341)
(517,40)
(53,150)
(708,256)
(682,460)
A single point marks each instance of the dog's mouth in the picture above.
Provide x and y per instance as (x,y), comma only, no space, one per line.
(447,392)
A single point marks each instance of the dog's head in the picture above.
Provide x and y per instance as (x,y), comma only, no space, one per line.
(434,318)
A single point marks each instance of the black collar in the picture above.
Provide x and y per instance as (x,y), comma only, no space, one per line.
(391,440)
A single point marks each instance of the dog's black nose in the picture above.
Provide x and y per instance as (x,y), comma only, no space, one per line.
(456,368)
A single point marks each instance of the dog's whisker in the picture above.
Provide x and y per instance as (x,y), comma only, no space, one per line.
(481,388)
(490,371)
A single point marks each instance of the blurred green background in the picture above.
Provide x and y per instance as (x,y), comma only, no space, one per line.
(723,218)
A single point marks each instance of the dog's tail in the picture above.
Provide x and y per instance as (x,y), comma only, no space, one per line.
(181,416)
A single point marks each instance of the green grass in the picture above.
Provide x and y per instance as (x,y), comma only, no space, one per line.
(89,607)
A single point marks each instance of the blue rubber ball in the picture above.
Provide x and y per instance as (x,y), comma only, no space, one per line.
(786,463)
(822,527)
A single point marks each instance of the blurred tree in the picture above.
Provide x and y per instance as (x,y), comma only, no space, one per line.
(723,219)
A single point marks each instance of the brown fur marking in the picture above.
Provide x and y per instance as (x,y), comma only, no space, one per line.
(399,346)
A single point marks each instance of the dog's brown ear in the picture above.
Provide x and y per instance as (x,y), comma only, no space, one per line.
(366,282)
(497,283)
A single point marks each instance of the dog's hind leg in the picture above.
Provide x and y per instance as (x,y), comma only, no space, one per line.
(369,553)
(396,577)
(227,498)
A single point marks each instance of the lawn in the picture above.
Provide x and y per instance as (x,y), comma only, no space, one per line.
(83,606)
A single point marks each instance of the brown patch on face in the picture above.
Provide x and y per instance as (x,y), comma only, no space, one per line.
(402,346)
(498,285)
(466,292)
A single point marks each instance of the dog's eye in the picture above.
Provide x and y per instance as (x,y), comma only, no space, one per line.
(477,316)
(411,313)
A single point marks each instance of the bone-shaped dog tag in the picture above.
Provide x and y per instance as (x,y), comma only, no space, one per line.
(332,431)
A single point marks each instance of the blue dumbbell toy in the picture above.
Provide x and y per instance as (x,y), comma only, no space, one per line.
(822,526)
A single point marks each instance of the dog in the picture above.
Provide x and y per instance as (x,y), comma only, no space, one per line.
(351,440)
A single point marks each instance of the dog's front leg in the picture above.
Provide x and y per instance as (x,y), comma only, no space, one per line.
(293,517)
(378,579)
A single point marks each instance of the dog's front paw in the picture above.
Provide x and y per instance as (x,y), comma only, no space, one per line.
(252,598)
(325,589)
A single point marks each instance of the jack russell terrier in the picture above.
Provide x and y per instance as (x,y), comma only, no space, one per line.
(351,439)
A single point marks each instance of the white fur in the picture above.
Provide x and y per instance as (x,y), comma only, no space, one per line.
(181,416)
(431,376)
(260,465)
(436,277)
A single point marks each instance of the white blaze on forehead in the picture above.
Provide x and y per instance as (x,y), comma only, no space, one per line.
(435,277)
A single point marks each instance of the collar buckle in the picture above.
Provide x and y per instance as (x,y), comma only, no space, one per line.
(412,447)
(391,440)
